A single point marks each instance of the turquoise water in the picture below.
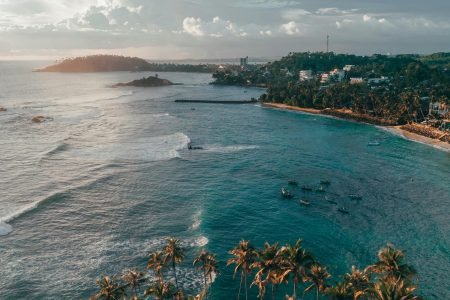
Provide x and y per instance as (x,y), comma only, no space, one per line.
(101,185)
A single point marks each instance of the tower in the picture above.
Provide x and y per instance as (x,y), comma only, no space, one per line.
(328,43)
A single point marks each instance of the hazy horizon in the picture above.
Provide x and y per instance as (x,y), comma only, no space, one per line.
(199,29)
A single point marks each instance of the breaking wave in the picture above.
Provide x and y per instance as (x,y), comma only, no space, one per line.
(214,148)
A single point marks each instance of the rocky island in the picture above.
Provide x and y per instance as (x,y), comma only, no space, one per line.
(151,81)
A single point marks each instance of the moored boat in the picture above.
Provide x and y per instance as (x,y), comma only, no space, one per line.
(293,182)
(343,210)
(307,188)
(304,202)
(355,197)
(285,193)
(325,182)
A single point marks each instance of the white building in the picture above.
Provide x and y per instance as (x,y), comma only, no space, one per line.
(382,79)
(356,80)
(305,75)
(337,74)
(439,109)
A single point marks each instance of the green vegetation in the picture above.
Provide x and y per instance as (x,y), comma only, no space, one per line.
(150,81)
(289,266)
(397,89)
(111,63)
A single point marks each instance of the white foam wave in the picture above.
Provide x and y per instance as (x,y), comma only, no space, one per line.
(5,228)
(197,221)
(121,95)
(147,149)
(200,241)
(214,148)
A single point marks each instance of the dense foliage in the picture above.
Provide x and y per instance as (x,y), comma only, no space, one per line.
(410,83)
(109,63)
(266,270)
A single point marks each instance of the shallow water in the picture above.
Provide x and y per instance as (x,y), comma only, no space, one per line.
(97,188)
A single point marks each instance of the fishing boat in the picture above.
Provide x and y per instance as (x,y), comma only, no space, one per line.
(293,182)
(307,188)
(325,182)
(343,210)
(355,197)
(373,144)
(304,202)
(285,193)
(332,201)
(321,190)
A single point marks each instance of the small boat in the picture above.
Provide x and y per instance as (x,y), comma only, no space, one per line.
(332,201)
(343,210)
(307,188)
(355,197)
(321,190)
(325,182)
(285,193)
(373,144)
(293,182)
(304,202)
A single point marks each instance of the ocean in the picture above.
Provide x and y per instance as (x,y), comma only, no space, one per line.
(101,184)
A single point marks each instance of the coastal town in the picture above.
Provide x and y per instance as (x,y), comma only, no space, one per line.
(408,91)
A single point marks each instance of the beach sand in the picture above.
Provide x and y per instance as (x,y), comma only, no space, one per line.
(393,129)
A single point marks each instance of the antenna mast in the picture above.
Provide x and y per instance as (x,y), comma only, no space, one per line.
(328,43)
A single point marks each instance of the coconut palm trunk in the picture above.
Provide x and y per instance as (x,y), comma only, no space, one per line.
(240,286)
(175,272)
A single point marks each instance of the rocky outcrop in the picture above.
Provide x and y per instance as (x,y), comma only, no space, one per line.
(427,131)
(40,119)
(2,109)
(150,81)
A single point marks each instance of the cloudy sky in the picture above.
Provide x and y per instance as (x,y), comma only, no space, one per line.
(180,29)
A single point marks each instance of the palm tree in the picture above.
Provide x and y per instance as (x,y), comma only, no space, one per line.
(393,289)
(295,262)
(109,289)
(175,253)
(317,275)
(161,290)
(340,291)
(390,264)
(209,267)
(244,257)
(268,265)
(358,281)
(133,279)
(156,263)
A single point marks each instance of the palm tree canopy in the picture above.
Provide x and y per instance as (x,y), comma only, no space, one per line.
(109,289)
(156,262)
(244,256)
(390,262)
(161,290)
(294,261)
(173,251)
(133,278)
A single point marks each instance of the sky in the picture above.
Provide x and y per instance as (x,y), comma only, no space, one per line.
(198,29)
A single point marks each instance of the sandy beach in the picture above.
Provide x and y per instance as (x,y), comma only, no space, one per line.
(393,129)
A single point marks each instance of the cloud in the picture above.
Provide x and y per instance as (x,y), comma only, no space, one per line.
(193,26)
(290,28)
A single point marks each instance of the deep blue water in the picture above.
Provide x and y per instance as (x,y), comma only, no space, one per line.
(101,185)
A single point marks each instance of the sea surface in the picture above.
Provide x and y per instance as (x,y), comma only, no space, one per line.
(108,177)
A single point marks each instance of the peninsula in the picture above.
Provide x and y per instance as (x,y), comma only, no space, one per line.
(151,81)
(410,91)
(115,63)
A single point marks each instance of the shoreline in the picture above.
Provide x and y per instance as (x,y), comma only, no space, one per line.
(396,130)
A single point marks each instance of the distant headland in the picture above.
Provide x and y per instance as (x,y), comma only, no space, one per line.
(115,63)
(151,81)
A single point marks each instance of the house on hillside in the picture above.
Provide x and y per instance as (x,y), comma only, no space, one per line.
(356,80)
(305,75)
(439,109)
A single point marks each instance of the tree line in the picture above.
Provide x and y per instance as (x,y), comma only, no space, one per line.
(266,269)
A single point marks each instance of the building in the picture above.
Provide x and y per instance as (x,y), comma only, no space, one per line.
(244,61)
(347,68)
(324,78)
(356,80)
(305,75)
(382,79)
(337,75)
(439,109)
